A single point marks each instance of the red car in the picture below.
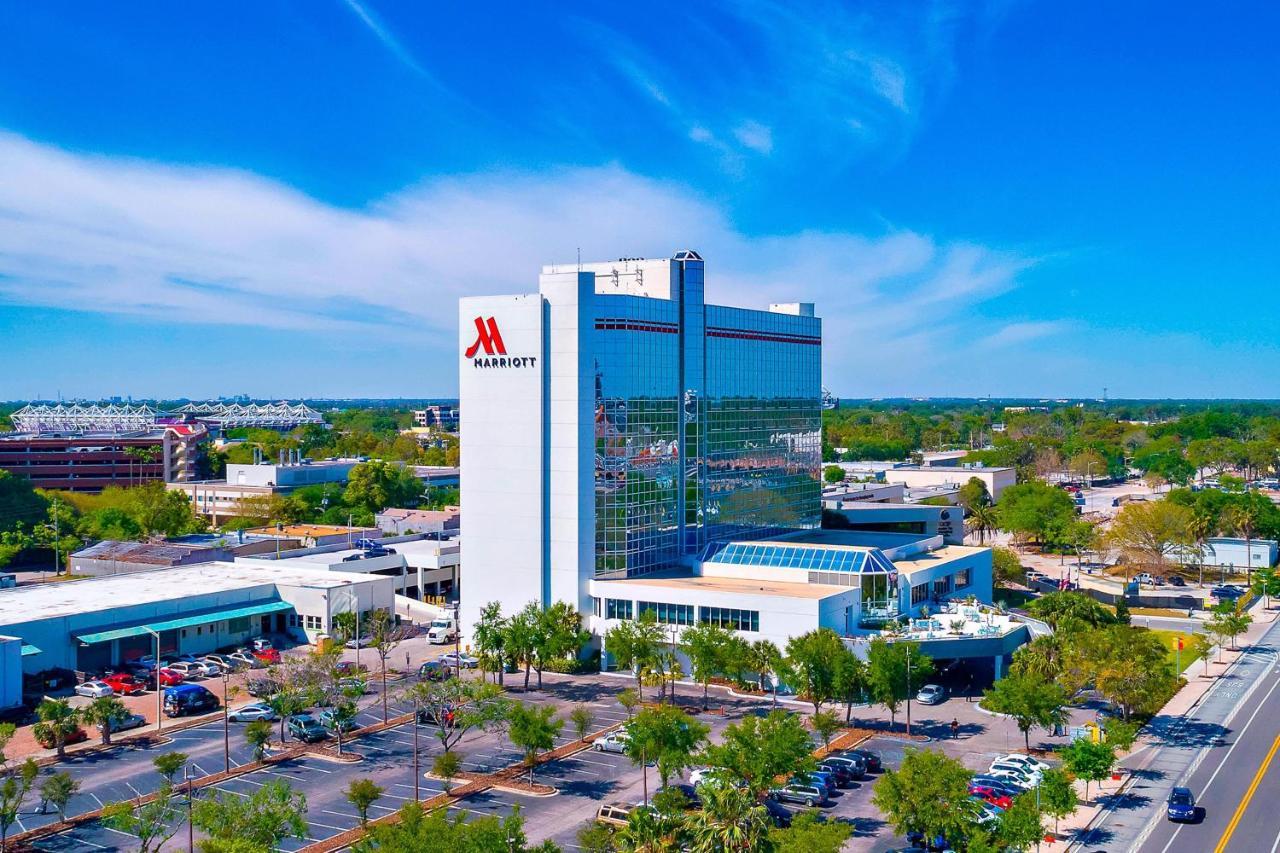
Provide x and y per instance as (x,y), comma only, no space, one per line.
(170,678)
(45,738)
(991,796)
(268,656)
(124,684)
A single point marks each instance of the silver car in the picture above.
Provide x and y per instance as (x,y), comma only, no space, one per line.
(612,742)
(251,712)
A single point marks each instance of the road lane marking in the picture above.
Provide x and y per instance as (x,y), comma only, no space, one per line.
(1248,795)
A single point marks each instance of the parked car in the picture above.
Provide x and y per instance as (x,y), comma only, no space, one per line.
(125,684)
(931,694)
(349,668)
(689,792)
(133,721)
(779,815)
(1177,580)
(818,777)
(260,644)
(1004,784)
(1147,578)
(199,664)
(246,660)
(329,720)
(94,689)
(987,813)
(434,670)
(306,728)
(810,795)
(353,685)
(464,660)
(427,716)
(1226,591)
(612,742)
(267,656)
(614,814)
(1016,774)
(870,757)
(261,687)
(251,712)
(379,551)
(188,699)
(189,671)
(359,642)
(1181,805)
(854,766)
(991,795)
(1027,761)
(843,774)
(170,677)
(45,737)
(19,715)
(351,558)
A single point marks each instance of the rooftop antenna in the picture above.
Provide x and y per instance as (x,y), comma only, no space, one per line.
(579,259)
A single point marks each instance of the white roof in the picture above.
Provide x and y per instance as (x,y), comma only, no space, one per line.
(68,598)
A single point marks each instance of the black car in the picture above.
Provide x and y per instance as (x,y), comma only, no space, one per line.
(307,728)
(842,772)
(779,815)
(379,552)
(1224,591)
(434,670)
(689,792)
(17,714)
(855,767)
(1176,580)
(872,759)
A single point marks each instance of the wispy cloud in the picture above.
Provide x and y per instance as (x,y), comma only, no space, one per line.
(388,39)
(754,135)
(204,245)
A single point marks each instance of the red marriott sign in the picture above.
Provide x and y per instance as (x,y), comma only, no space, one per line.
(489,339)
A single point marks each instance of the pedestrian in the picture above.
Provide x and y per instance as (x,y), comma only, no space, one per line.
(955,728)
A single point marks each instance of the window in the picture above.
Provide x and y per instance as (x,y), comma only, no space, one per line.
(942,586)
(919,594)
(616,608)
(238,626)
(312,623)
(731,617)
(669,614)
(963,578)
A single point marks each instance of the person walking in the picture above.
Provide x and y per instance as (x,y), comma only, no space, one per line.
(955,728)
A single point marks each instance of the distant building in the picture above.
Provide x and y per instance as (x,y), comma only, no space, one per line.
(112,557)
(437,476)
(87,448)
(1235,553)
(220,499)
(398,522)
(439,417)
(953,476)
(881,517)
(850,493)
(316,535)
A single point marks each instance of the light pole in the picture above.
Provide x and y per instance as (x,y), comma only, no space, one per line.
(159,691)
(908,691)
(416,774)
(191,798)
(226,720)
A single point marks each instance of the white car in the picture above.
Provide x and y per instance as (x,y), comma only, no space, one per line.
(1031,764)
(132,721)
(613,742)
(189,671)
(1027,778)
(251,712)
(94,689)
(260,644)
(460,661)
(245,659)
(201,665)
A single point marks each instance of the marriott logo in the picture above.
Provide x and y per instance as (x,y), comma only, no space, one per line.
(489,339)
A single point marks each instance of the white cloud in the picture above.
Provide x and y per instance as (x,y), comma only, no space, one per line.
(1015,334)
(754,135)
(207,245)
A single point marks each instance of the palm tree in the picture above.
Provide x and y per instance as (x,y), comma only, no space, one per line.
(1243,520)
(764,658)
(1199,530)
(730,821)
(984,520)
(106,712)
(59,719)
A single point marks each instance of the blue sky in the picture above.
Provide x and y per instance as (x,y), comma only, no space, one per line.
(286,199)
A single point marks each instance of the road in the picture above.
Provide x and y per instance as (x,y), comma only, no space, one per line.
(1224,752)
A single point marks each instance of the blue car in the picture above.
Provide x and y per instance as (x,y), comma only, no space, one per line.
(1182,805)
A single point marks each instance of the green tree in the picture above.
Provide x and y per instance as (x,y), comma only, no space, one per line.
(891,678)
(1020,826)
(705,644)
(929,794)
(1089,761)
(629,700)
(57,790)
(766,661)
(1127,665)
(596,837)
(489,636)
(1031,700)
(853,680)
(811,833)
(1032,509)
(833,474)
(447,765)
(665,735)
(730,820)
(435,832)
(812,660)
(13,791)
(1200,647)
(825,724)
(1006,566)
(19,502)
(170,764)
(152,823)
(1147,532)
(558,634)
(58,720)
(363,793)
(286,702)
(757,749)
(7,731)
(633,644)
(258,734)
(269,815)
(384,636)
(375,485)
(520,638)
(1070,611)
(533,729)
(1266,582)
(456,707)
(582,720)
(1057,795)
(107,712)
(1229,620)
(973,494)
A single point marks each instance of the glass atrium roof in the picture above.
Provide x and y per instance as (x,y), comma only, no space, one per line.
(798,556)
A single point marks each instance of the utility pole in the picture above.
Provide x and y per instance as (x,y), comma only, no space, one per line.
(908,691)
(226,721)
(416,710)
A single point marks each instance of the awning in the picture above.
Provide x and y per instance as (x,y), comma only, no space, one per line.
(184,622)
(28,649)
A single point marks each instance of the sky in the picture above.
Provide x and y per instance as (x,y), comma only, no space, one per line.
(285,199)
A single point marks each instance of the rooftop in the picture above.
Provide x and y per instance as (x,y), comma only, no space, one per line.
(685,581)
(69,598)
(301,530)
(931,559)
(153,553)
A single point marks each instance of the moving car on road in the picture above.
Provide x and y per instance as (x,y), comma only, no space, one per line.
(1181,805)
(931,694)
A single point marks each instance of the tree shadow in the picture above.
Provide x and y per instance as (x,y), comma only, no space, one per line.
(1090,837)
(591,789)
(865,827)
(1126,801)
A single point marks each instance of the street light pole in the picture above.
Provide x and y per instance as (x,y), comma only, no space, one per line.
(908,691)
(226,721)
(416,774)
(191,794)
(159,691)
